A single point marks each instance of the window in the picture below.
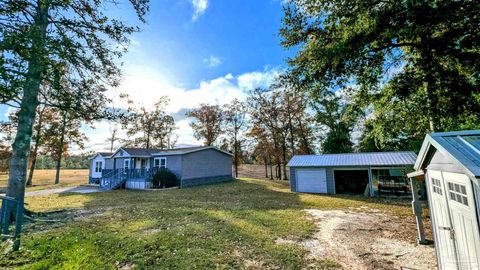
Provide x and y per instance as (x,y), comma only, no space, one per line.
(437,186)
(458,193)
(160,163)
(98,166)
(126,164)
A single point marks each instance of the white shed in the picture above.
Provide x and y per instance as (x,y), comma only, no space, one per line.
(450,163)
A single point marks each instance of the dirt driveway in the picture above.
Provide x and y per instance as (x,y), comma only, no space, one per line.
(366,240)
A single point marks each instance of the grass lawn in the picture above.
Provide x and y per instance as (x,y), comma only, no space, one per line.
(45,179)
(230,225)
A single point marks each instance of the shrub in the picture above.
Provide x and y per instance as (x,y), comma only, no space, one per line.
(164,178)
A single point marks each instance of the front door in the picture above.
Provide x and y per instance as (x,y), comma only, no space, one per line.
(454,220)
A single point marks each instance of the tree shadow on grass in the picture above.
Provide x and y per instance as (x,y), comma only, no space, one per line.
(228,225)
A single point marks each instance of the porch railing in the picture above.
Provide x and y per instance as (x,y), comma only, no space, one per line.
(112,179)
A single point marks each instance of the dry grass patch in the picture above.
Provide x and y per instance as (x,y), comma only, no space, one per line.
(45,179)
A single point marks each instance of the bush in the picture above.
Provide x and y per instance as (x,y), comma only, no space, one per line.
(164,178)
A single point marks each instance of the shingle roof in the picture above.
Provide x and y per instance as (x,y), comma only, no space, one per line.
(462,146)
(105,154)
(142,152)
(354,159)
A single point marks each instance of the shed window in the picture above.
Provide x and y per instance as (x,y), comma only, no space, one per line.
(160,163)
(98,166)
(458,193)
(437,186)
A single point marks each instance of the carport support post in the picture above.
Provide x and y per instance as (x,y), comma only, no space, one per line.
(417,211)
(370,182)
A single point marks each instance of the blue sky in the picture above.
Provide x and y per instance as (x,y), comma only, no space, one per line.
(196,51)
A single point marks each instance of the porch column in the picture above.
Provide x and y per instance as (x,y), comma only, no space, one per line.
(417,211)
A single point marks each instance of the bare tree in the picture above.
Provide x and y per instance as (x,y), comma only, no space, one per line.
(155,127)
(207,124)
(234,115)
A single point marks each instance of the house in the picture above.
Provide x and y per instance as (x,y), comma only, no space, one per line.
(133,167)
(352,173)
(98,163)
(449,162)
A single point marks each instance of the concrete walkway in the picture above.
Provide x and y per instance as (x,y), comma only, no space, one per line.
(80,189)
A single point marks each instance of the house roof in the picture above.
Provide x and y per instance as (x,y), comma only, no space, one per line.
(103,154)
(462,146)
(354,159)
(143,152)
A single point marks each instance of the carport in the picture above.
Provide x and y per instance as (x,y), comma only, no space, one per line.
(351,173)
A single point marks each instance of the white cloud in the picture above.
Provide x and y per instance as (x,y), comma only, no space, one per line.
(212,61)
(145,87)
(254,80)
(199,6)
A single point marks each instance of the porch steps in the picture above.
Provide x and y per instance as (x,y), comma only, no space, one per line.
(113,180)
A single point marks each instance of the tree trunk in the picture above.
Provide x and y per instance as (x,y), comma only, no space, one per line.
(266,167)
(33,159)
(284,161)
(60,149)
(28,106)
(235,149)
(148,140)
(429,69)
(271,169)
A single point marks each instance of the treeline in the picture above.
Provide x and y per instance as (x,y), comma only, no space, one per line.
(69,162)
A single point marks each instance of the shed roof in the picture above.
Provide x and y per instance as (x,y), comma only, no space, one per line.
(462,146)
(354,159)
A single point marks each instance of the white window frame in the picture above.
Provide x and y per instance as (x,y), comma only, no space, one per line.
(159,165)
(98,168)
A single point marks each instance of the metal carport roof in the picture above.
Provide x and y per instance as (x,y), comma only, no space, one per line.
(355,159)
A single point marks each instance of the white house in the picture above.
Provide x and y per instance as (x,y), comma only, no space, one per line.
(97,164)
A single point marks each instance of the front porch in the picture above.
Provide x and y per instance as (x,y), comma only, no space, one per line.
(128,178)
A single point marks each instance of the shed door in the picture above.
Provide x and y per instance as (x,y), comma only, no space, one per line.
(455,221)
(441,221)
(464,219)
(312,180)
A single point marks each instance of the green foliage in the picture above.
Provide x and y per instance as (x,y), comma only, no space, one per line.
(415,63)
(164,178)
(339,117)
(68,162)
(338,140)
(62,54)
(5,155)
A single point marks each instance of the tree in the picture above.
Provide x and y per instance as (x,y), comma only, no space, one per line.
(113,138)
(339,117)
(234,114)
(69,46)
(207,124)
(268,113)
(263,149)
(427,52)
(45,118)
(5,155)
(156,127)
